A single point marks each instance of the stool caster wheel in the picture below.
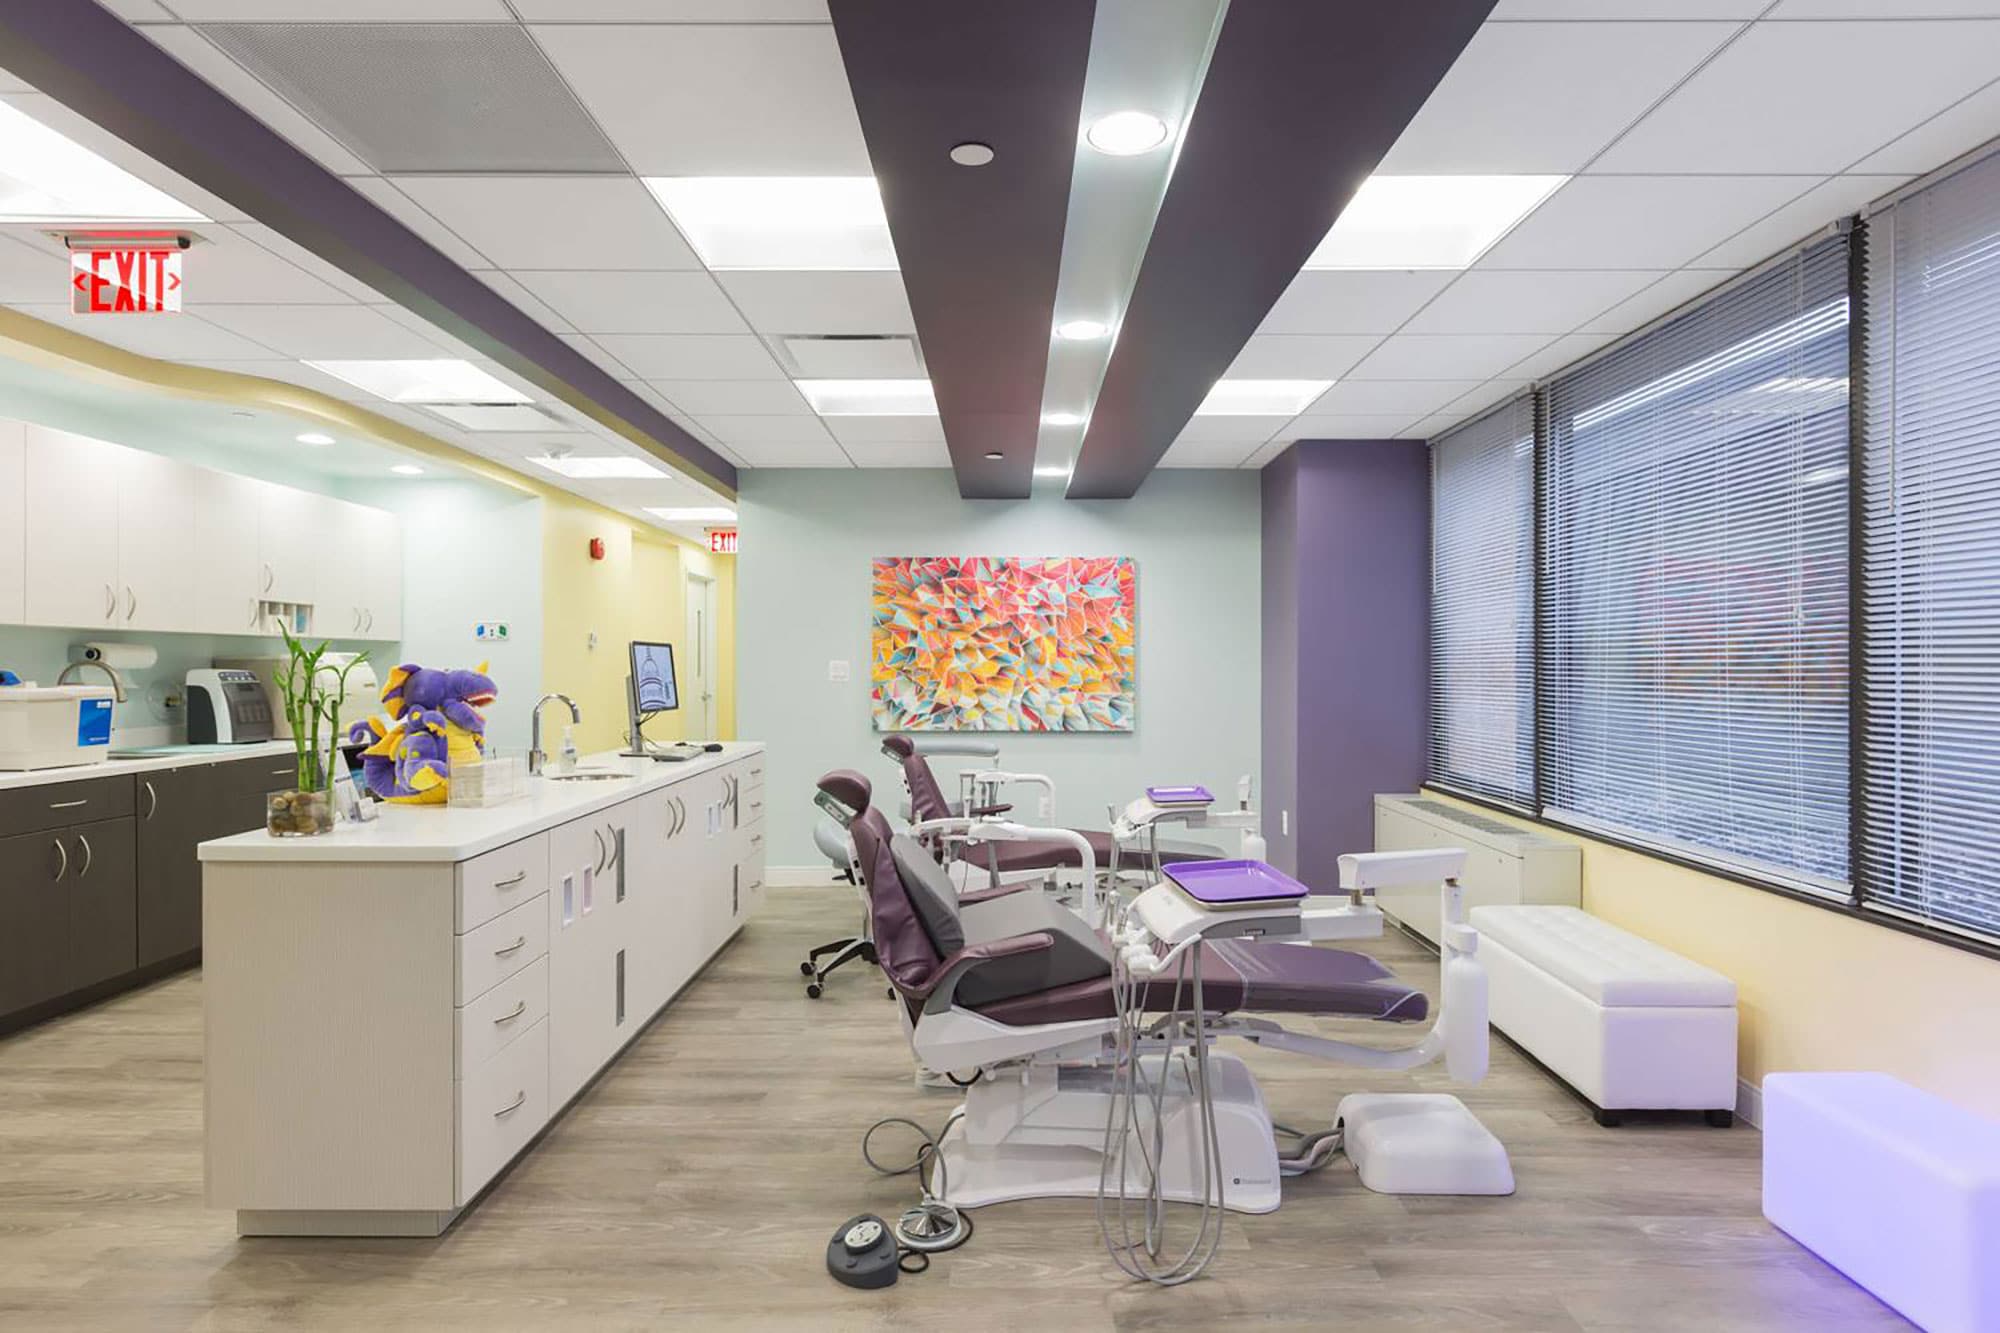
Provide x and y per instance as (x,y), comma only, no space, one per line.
(805,969)
(813,991)
(890,992)
(1608,1119)
(1719,1119)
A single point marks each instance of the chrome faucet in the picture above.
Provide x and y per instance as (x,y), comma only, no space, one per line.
(117,681)
(536,756)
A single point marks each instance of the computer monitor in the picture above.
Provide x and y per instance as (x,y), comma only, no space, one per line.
(654,688)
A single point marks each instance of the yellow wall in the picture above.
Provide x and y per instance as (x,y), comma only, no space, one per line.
(1815,989)
(638,591)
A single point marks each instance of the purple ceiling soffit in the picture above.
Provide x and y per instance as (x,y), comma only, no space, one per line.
(1301,100)
(980,247)
(93,63)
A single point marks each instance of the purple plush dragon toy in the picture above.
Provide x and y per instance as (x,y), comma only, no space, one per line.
(433,721)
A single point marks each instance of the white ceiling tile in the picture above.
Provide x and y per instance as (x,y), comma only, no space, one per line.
(1669,293)
(825,302)
(598,302)
(137,11)
(887,430)
(675,11)
(1886,9)
(30,274)
(169,337)
(286,248)
(1522,301)
(855,358)
(555,222)
(320,332)
(524,300)
(233,271)
(1190,453)
(1268,452)
(729,398)
(1625,10)
(1351,302)
(1557,356)
(249,92)
(693,356)
(808,454)
(447,344)
(721,100)
(1478,399)
(1537,98)
(1219,429)
(1808,215)
(1763,105)
(1656,222)
(385,196)
(1407,398)
(602,359)
(291,372)
(79,129)
(1293,356)
(1952,132)
(737,432)
(1446,356)
(876,454)
(1348,426)
(340,11)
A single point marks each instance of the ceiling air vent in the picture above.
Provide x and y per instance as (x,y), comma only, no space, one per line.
(853,356)
(498,416)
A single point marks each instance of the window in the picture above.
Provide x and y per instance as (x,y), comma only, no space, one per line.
(1693,635)
(1929,773)
(1482,739)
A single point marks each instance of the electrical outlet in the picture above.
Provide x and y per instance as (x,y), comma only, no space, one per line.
(488,630)
(837,670)
(1285,823)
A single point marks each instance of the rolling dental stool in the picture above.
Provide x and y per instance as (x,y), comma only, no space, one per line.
(834,844)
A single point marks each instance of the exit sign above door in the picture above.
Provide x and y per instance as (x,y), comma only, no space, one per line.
(722,541)
(125,281)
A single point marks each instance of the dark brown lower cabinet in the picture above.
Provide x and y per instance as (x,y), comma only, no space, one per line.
(34,920)
(178,810)
(99,891)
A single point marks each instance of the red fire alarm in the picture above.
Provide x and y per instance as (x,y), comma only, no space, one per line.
(597,548)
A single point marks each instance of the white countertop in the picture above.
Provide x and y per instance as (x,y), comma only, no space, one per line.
(458,833)
(159,757)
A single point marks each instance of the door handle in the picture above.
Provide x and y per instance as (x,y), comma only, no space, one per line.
(62,867)
(357,620)
(597,867)
(520,943)
(515,1105)
(269,576)
(87,858)
(369,623)
(110,601)
(152,798)
(512,1014)
(131,602)
(611,842)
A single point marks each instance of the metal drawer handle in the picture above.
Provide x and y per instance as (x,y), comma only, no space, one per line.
(110,601)
(68,805)
(520,1099)
(511,882)
(520,942)
(518,1010)
(131,602)
(63,852)
(598,834)
(87,858)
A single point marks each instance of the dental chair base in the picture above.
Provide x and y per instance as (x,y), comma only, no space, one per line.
(1038,1133)
(1421,1143)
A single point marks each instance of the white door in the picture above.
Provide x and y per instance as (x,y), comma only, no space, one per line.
(698,672)
(290,526)
(71,530)
(228,557)
(13,523)
(156,525)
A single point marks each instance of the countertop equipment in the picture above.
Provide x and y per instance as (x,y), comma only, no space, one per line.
(228,706)
(364,687)
(56,726)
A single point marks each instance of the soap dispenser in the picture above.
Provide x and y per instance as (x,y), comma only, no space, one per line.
(566,760)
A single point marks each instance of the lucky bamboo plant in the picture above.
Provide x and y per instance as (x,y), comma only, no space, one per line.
(313,690)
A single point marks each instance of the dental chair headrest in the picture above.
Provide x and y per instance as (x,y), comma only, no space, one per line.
(898,748)
(844,794)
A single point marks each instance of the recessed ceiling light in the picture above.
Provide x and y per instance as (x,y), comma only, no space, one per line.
(314,437)
(1447,222)
(994,455)
(445,380)
(597,467)
(869,398)
(45,177)
(694,514)
(789,222)
(407,470)
(1081,330)
(1126,133)
(972,154)
(1062,419)
(1261,398)
(1052,471)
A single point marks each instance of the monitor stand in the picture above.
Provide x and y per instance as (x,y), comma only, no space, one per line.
(674,753)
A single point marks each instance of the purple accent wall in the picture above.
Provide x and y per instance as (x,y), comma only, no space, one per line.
(1346,642)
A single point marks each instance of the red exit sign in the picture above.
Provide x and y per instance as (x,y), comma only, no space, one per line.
(722,541)
(125,281)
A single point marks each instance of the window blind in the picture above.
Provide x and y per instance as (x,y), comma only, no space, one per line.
(1693,642)
(1929,776)
(1482,739)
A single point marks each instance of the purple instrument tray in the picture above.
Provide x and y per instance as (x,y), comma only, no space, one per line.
(1190,795)
(1231,884)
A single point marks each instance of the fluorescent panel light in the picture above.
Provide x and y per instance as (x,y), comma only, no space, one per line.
(1261,398)
(789,222)
(45,177)
(597,467)
(315,437)
(407,470)
(1062,419)
(1052,471)
(1081,330)
(446,380)
(1404,222)
(493,416)
(869,398)
(696,514)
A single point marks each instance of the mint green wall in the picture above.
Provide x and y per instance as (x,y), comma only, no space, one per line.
(808,537)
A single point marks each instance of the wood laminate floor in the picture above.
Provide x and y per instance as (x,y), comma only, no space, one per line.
(695,1186)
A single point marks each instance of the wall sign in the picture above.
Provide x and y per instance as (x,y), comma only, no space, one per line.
(722,541)
(125,281)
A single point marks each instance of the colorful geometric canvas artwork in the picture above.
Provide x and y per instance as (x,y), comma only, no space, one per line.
(1003,643)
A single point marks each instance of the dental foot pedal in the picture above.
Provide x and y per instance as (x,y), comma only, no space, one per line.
(862,1253)
(1421,1143)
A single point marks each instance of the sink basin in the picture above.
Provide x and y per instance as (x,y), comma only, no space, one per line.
(589,775)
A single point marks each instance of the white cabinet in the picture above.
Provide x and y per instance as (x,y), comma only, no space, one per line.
(228,556)
(381,554)
(157,573)
(358,592)
(71,530)
(13,522)
(291,542)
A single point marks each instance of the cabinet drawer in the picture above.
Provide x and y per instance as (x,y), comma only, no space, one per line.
(753,774)
(501,880)
(266,773)
(489,954)
(750,808)
(501,1105)
(494,1021)
(60,804)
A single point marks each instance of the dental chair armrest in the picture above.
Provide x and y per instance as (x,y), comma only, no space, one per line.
(937,994)
(988,811)
(988,894)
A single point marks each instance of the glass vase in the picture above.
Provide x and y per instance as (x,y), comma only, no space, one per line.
(298,814)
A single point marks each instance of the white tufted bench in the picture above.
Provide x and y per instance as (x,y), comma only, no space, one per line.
(1629,1025)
